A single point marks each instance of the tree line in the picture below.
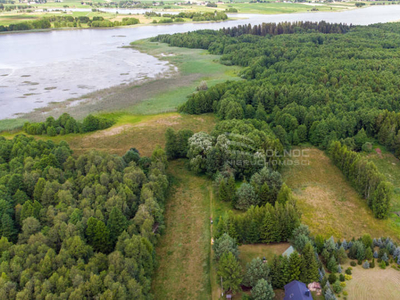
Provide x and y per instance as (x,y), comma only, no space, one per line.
(364,175)
(194,16)
(78,227)
(261,224)
(66,124)
(68,21)
(265,29)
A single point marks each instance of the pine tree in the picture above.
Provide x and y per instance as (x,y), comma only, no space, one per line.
(332,265)
(223,193)
(264,194)
(91,230)
(381,200)
(170,143)
(284,195)
(101,241)
(284,275)
(230,271)
(260,113)
(275,271)
(319,243)
(116,224)
(7,228)
(309,265)
(368,253)
(295,266)
(39,188)
(270,229)
(255,270)
(231,188)
(262,291)
(296,139)
(253,234)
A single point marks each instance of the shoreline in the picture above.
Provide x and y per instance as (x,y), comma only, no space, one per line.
(115,27)
(230,18)
(140,97)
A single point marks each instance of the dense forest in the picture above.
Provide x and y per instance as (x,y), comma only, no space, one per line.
(307,82)
(78,227)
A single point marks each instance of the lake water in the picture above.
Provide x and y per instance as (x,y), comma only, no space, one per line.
(43,67)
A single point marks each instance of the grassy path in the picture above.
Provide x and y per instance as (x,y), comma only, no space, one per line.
(184,249)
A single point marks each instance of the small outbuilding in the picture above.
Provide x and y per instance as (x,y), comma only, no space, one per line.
(288,251)
(297,290)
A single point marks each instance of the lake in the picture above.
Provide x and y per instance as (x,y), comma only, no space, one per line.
(43,67)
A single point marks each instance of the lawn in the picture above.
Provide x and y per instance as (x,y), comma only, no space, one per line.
(184,248)
(248,252)
(373,283)
(329,205)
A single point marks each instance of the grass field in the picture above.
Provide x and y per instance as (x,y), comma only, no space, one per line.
(389,165)
(141,132)
(330,206)
(184,249)
(373,283)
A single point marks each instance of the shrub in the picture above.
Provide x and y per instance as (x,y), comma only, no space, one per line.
(372,264)
(341,277)
(332,278)
(337,288)
(353,263)
(345,293)
(366,265)
(382,264)
(343,284)
(359,262)
(348,277)
(348,271)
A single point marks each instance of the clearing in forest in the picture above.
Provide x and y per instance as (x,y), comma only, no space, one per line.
(329,204)
(249,252)
(184,248)
(141,132)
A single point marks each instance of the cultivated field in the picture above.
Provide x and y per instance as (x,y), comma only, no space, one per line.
(330,206)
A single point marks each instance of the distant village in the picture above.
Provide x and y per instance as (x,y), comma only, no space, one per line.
(161,3)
